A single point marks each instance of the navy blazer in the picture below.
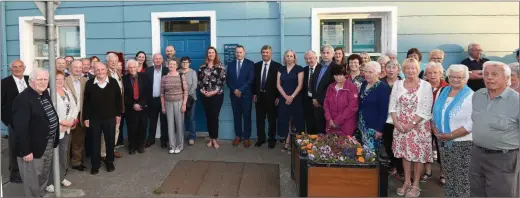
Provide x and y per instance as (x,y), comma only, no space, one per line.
(374,107)
(9,92)
(244,81)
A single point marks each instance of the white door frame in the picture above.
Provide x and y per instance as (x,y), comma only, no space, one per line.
(156,25)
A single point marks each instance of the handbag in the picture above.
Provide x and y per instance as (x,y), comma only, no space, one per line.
(189,102)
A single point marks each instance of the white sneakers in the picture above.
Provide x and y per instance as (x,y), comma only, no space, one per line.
(176,151)
(50,188)
(171,151)
(191,142)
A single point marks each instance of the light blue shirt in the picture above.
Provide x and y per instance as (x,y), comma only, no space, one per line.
(157,82)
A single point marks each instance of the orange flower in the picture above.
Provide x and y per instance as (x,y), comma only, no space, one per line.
(361,159)
(298,136)
(309,146)
(313,136)
(359,151)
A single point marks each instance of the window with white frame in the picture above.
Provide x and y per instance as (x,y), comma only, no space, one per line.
(355,29)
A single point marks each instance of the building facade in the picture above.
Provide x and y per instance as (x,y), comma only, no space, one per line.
(87,29)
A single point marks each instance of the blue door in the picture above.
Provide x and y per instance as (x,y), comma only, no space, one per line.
(193,45)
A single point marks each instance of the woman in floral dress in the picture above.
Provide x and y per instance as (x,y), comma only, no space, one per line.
(410,107)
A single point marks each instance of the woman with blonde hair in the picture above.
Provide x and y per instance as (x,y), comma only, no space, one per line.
(411,103)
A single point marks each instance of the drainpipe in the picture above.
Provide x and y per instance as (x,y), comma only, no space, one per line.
(4,39)
(282,30)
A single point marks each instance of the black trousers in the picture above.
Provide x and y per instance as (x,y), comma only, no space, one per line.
(319,118)
(308,110)
(88,142)
(121,138)
(108,128)
(154,110)
(265,107)
(136,121)
(212,106)
(388,138)
(13,163)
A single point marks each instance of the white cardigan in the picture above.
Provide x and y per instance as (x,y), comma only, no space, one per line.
(424,94)
(61,109)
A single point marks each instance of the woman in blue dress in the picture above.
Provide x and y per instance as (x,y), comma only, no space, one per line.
(290,105)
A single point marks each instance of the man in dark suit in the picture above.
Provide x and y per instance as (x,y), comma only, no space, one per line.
(475,63)
(36,133)
(11,87)
(308,108)
(85,69)
(136,100)
(265,95)
(155,74)
(240,76)
(321,80)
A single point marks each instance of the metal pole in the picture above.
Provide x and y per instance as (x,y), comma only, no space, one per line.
(51,39)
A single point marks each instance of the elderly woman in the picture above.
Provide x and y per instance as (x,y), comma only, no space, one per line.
(354,74)
(373,107)
(436,56)
(341,104)
(191,103)
(174,94)
(140,56)
(515,73)
(452,125)
(339,57)
(392,69)
(67,113)
(383,60)
(289,83)
(392,55)
(211,79)
(410,105)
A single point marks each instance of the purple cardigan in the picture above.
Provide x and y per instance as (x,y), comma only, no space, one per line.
(341,106)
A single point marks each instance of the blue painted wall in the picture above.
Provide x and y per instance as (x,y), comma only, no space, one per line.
(449,26)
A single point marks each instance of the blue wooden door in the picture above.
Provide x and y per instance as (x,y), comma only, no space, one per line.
(193,45)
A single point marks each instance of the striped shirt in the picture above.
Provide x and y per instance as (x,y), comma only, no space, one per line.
(171,88)
(51,115)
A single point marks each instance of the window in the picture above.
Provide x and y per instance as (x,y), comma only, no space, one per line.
(355,29)
(186,25)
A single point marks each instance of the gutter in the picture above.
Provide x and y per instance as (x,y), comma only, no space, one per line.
(282,30)
(4,39)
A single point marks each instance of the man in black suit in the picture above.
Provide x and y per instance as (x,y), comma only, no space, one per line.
(265,96)
(102,104)
(36,133)
(155,74)
(136,100)
(11,87)
(308,107)
(321,81)
(85,69)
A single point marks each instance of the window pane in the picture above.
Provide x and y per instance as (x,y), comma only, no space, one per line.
(366,35)
(332,33)
(186,26)
(69,41)
(41,64)
(40,47)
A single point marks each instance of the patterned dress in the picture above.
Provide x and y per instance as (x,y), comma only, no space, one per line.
(415,145)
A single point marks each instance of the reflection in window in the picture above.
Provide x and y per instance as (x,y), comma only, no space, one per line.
(69,44)
(186,26)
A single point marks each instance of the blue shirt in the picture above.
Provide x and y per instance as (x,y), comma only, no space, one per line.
(157,82)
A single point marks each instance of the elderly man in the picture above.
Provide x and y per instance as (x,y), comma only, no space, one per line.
(321,80)
(61,65)
(155,74)
(308,107)
(36,130)
(85,69)
(170,54)
(112,62)
(102,104)
(76,84)
(11,87)
(474,63)
(265,96)
(496,135)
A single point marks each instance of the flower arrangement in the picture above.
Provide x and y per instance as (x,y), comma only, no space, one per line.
(330,148)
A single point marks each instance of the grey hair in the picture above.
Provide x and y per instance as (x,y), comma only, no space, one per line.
(157,54)
(309,52)
(131,61)
(327,46)
(391,53)
(515,68)
(85,59)
(112,55)
(375,65)
(35,72)
(383,58)
(11,65)
(434,64)
(393,63)
(458,68)
(507,69)
(77,60)
(470,46)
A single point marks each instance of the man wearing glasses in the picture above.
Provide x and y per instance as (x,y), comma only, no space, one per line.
(474,63)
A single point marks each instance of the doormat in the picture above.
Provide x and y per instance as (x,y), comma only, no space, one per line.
(229,179)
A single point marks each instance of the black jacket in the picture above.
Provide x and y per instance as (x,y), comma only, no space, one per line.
(320,91)
(144,84)
(9,92)
(270,82)
(149,71)
(31,124)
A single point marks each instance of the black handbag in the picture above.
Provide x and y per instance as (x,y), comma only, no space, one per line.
(189,102)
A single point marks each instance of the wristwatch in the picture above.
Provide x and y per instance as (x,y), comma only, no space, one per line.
(414,123)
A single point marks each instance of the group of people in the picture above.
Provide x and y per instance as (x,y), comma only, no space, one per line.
(468,111)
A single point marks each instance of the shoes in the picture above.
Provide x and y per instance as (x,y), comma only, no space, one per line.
(140,150)
(215,144)
(191,142)
(271,144)
(131,152)
(149,143)
(164,145)
(236,142)
(50,188)
(66,183)
(247,143)
(425,177)
(117,154)
(15,177)
(110,167)
(79,168)
(259,143)
(177,151)
(94,171)
(172,151)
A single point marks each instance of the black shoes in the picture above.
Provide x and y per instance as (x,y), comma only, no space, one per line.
(110,167)
(79,168)
(94,171)
(149,143)
(131,152)
(164,144)
(140,150)
(259,143)
(272,144)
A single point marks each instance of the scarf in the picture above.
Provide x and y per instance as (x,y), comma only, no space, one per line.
(451,109)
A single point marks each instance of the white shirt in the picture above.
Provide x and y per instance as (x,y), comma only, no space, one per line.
(20,84)
(114,75)
(103,84)
(157,82)
(77,89)
(460,118)
(309,77)
(266,70)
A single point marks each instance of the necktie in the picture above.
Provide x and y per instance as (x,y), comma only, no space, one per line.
(136,89)
(239,65)
(264,76)
(310,80)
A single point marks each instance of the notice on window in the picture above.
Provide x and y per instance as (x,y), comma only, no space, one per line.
(229,53)
(333,34)
(363,36)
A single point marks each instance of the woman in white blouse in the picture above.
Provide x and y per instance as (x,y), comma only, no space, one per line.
(452,126)
(410,107)
(67,113)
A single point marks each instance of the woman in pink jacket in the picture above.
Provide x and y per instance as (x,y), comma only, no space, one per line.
(341,104)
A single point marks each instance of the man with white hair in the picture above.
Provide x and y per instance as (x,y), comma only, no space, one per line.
(321,80)
(11,87)
(112,62)
(155,73)
(36,130)
(496,135)
(308,108)
(474,63)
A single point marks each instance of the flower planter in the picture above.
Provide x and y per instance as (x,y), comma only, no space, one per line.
(337,180)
